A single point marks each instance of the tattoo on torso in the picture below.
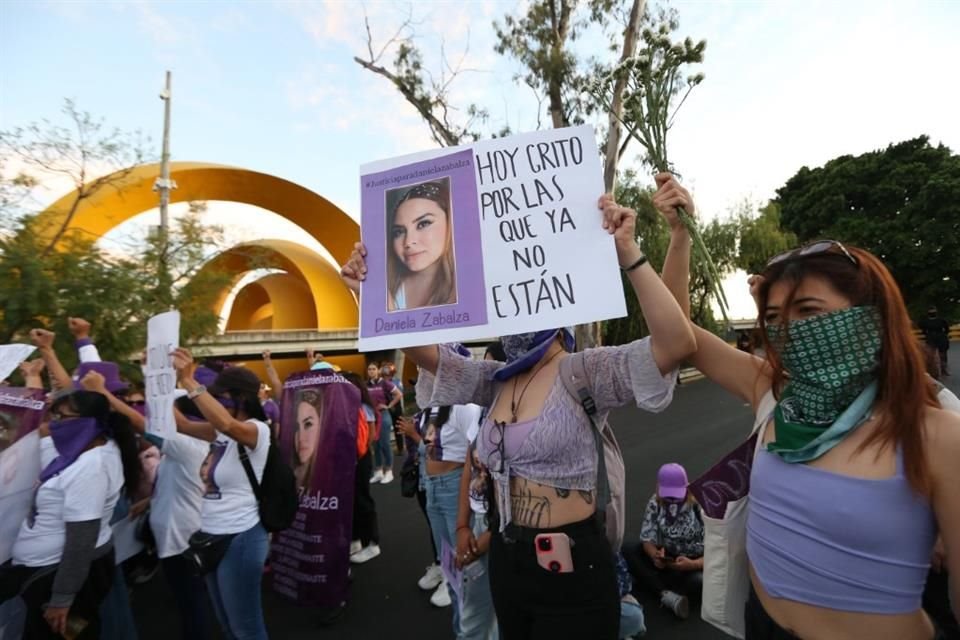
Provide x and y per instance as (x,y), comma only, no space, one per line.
(533,510)
(528,509)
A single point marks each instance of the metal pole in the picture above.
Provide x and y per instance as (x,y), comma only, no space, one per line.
(163,185)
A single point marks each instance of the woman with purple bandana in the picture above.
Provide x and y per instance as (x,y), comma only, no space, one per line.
(668,562)
(63,562)
(538,446)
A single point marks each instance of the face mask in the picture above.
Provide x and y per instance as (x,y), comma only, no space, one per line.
(516,345)
(830,359)
(71,436)
(227,403)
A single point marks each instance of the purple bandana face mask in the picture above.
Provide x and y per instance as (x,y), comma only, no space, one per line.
(71,437)
(524,350)
(227,403)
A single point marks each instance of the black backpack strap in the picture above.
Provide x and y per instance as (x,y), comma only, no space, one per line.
(251,476)
(573,372)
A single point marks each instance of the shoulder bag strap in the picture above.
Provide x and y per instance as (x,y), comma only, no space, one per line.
(573,373)
(251,476)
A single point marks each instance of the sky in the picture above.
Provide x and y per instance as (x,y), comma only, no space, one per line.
(272,87)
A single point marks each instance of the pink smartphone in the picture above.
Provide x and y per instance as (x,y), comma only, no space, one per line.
(553,552)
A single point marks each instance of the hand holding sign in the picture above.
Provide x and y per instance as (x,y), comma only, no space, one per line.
(355,270)
(184,364)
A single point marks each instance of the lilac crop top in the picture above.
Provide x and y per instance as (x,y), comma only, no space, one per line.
(836,541)
(556,448)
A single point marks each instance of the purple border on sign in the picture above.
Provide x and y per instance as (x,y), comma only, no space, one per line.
(471,306)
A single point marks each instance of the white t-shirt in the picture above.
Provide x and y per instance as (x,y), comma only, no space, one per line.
(228,504)
(450,445)
(948,400)
(175,507)
(86,490)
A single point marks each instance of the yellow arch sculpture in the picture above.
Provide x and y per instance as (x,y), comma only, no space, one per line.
(133,194)
(328,302)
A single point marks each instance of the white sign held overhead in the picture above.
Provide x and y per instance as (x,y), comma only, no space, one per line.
(160,378)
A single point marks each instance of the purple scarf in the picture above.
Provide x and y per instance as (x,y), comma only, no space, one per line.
(524,350)
(71,437)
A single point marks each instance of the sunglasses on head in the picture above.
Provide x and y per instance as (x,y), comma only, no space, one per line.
(813,249)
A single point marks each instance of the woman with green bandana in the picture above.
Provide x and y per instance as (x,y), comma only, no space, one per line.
(857,469)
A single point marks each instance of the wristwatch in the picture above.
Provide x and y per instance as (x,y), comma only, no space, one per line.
(196,392)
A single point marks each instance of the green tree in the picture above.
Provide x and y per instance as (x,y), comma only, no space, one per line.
(901,203)
(761,237)
(48,275)
(720,236)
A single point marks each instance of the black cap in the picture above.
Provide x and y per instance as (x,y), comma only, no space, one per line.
(235,379)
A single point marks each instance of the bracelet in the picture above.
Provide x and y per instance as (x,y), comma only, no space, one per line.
(196,392)
(463,526)
(642,260)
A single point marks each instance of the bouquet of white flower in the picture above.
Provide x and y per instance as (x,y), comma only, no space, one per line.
(654,82)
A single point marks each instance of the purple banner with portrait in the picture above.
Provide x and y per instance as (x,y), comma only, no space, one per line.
(21,410)
(318,437)
(421,227)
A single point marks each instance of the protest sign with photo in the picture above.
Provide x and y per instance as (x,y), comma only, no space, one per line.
(21,410)
(498,237)
(318,437)
(159,376)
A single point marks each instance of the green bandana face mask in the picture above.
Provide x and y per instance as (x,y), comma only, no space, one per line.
(831,360)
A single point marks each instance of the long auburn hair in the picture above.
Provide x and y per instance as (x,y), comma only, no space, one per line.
(903,390)
(443,289)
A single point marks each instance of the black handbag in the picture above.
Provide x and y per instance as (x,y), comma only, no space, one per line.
(409,478)
(206,550)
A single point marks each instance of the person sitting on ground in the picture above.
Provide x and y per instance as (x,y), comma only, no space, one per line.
(632,624)
(668,562)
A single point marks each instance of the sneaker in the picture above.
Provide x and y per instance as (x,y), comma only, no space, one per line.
(388,477)
(676,603)
(376,477)
(431,578)
(355,547)
(441,597)
(369,552)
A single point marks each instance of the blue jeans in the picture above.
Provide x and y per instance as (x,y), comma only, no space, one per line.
(631,620)
(478,621)
(235,586)
(383,447)
(443,495)
(116,616)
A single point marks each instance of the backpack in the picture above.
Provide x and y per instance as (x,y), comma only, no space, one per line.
(611,474)
(276,492)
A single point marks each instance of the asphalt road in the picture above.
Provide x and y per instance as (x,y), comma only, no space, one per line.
(702,424)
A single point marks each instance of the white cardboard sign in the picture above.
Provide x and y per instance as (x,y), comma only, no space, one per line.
(160,378)
(494,238)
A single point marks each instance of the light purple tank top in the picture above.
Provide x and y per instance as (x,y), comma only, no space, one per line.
(836,541)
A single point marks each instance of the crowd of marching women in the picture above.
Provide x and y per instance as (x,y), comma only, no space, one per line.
(851,529)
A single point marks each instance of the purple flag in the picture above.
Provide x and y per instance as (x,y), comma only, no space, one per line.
(21,410)
(318,437)
(726,481)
